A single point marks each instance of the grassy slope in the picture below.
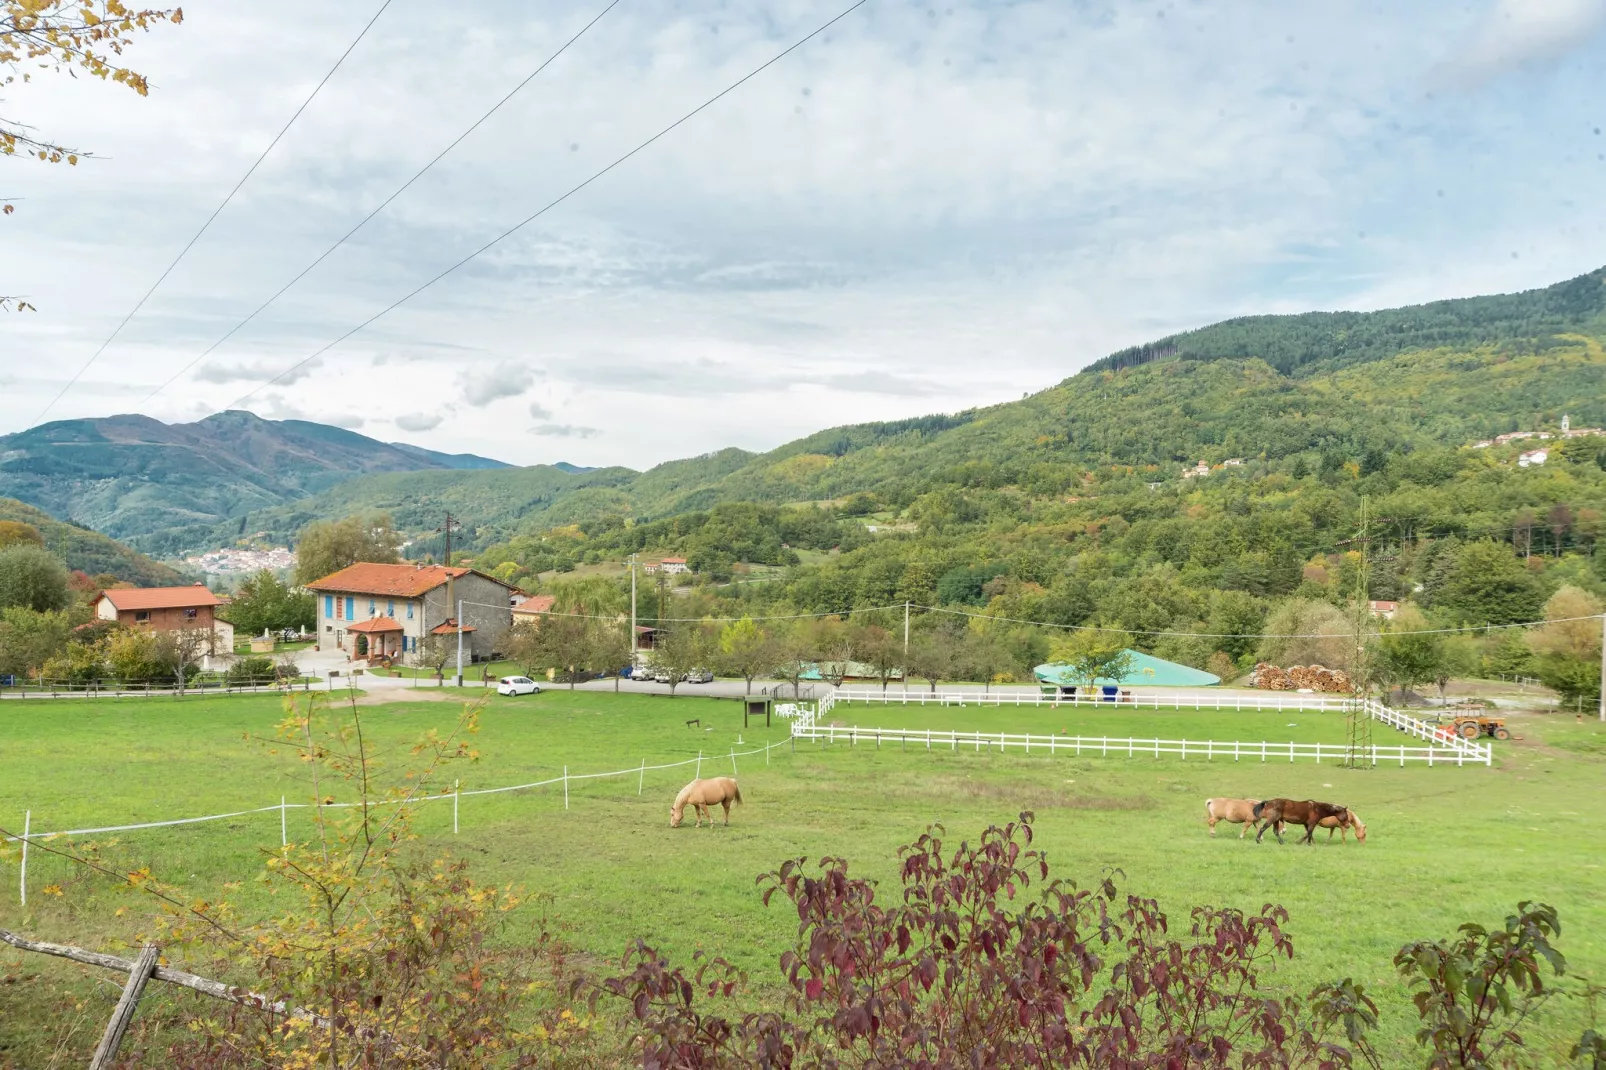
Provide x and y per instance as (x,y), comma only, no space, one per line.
(1446,844)
(90,551)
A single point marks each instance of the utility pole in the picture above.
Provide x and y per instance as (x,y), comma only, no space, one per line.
(1603,667)
(451,594)
(632,613)
(906,647)
(1358,750)
(458,620)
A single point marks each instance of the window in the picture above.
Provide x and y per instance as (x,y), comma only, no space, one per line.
(329,606)
(351,608)
(190,614)
(390,609)
(142,616)
(409,611)
(373,608)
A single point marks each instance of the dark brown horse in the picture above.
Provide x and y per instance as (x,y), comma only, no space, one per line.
(1275,813)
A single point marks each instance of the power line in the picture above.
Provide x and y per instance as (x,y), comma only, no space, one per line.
(383,204)
(1065,627)
(554,203)
(215,213)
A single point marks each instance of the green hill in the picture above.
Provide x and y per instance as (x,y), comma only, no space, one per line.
(90,551)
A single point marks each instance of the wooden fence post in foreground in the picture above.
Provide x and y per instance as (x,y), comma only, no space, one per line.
(106,1050)
(27,821)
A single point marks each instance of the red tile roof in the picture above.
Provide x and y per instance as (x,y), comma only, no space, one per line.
(536,604)
(392,581)
(375,624)
(674,561)
(450,628)
(124,599)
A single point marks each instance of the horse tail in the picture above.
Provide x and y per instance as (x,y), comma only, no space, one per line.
(736,791)
(1259,806)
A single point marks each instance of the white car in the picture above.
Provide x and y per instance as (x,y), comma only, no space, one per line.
(699,676)
(517,685)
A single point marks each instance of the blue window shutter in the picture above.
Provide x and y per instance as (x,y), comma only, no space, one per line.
(351,609)
(329,606)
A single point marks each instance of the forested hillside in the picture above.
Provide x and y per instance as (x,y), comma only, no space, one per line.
(88,551)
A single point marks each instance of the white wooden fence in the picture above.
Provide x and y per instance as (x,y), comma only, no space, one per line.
(1444,746)
(1272,700)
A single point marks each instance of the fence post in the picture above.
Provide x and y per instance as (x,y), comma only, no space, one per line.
(27,821)
(457,791)
(110,1040)
(284,830)
(565,787)
(641,781)
(733,761)
(699,775)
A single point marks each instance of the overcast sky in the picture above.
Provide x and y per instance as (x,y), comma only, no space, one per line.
(927,208)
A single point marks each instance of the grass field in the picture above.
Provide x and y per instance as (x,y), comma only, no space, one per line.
(1446,844)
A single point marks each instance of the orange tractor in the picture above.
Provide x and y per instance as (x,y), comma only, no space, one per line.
(1471,726)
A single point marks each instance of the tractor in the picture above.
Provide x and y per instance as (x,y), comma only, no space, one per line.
(1469,726)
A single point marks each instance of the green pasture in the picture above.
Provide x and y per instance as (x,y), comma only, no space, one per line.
(1446,844)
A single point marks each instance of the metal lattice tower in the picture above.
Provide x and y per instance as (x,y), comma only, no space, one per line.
(1358,723)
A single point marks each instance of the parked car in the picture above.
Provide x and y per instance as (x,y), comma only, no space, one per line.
(661,676)
(517,685)
(699,676)
(640,672)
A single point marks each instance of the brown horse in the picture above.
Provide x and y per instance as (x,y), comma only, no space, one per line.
(1275,813)
(702,794)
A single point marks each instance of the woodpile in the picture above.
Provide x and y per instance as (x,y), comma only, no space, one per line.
(1269,677)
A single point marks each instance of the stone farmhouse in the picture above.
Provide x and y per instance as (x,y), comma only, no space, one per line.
(387,612)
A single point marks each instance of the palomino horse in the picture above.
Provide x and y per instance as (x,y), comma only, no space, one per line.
(702,794)
(1349,819)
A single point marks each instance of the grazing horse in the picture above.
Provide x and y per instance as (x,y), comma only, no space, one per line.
(1277,812)
(1234,811)
(1349,819)
(702,794)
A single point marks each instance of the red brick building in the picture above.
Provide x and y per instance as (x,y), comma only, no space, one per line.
(167,609)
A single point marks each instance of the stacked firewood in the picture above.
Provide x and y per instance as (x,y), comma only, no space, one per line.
(1269,677)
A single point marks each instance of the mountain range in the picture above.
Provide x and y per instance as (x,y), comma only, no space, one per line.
(1267,387)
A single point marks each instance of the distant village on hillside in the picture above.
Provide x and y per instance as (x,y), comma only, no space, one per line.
(235,560)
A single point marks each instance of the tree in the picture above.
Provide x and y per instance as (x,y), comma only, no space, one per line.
(75,35)
(987,656)
(883,652)
(264,603)
(135,657)
(1567,652)
(330,546)
(435,651)
(746,650)
(794,658)
(1459,658)
(181,651)
(16,533)
(1301,631)
(29,638)
(937,655)
(1093,654)
(33,578)
(1407,653)
(1486,584)
(566,645)
(836,644)
(681,648)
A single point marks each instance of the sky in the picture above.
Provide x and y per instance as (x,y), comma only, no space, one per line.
(928,207)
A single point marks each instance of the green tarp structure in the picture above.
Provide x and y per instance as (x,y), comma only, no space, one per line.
(1144,670)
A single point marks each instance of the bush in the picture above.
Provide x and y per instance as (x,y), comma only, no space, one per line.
(251,671)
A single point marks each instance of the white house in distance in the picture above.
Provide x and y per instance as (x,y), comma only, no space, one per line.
(672,565)
(394,608)
(1532,458)
(1383,608)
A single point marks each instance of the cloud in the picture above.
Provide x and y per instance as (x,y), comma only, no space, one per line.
(504,380)
(540,411)
(1520,32)
(564,431)
(419,421)
(874,382)
(260,371)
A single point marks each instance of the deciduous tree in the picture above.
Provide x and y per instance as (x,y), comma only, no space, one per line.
(330,546)
(746,650)
(1094,654)
(33,578)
